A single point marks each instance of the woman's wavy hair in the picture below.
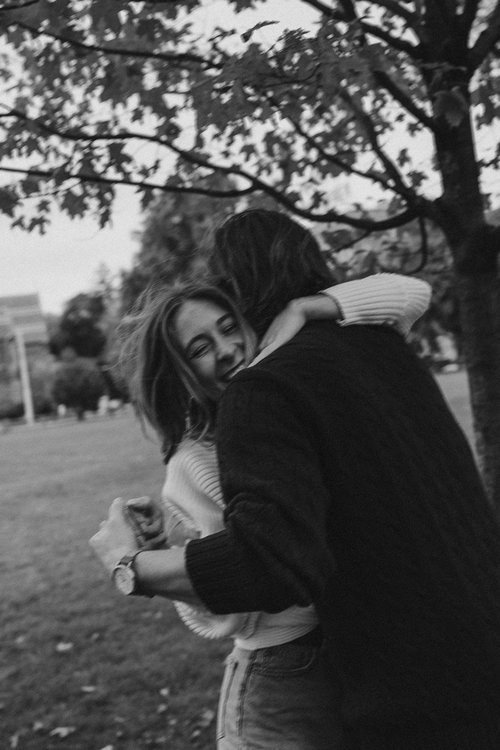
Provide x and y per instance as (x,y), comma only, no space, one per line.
(164,390)
(265,259)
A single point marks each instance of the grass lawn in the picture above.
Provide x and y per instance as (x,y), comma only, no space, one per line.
(81,667)
(78,659)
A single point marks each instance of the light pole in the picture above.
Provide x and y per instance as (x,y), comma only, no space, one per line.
(29,411)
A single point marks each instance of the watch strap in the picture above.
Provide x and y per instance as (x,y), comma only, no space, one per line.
(128,561)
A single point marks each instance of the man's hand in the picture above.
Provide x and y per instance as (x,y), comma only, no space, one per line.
(146,519)
(115,537)
(293,318)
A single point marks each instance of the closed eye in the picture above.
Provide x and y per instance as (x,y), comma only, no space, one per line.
(228,325)
(198,350)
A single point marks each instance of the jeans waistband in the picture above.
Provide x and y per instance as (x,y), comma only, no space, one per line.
(313,638)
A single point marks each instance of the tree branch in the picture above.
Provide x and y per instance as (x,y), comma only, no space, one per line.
(353,241)
(424,246)
(397,43)
(397,9)
(486,41)
(328,217)
(328,11)
(448,9)
(380,75)
(18,6)
(388,164)
(129,135)
(256,184)
(468,15)
(81,135)
(61,173)
(328,157)
(404,99)
(279,197)
(163,56)
(368,174)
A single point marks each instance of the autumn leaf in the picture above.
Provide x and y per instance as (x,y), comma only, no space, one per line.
(247,35)
(64,647)
(62,732)
(88,689)
(8,201)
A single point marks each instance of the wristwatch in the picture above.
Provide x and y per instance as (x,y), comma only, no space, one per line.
(125,576)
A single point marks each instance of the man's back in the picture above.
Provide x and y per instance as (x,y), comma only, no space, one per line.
(350,484)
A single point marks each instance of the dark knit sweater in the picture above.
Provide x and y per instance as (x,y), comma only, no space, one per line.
(349,484)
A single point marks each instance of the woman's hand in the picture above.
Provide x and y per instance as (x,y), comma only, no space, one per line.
(285,325)
(115,538)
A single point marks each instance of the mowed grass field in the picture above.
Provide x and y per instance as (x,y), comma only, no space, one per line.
(81,667)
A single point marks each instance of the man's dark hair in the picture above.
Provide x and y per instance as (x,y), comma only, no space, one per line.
(265,259)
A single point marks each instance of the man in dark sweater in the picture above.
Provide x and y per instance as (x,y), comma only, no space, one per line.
(349,485)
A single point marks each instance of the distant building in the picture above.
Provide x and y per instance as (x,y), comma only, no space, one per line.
(21,323)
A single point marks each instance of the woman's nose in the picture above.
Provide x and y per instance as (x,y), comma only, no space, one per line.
(225,349)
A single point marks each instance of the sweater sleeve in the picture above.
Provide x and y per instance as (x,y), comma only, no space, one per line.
(382,298)
(273,551)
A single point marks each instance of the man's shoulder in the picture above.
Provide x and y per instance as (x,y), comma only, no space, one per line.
(323,341)
(323,354)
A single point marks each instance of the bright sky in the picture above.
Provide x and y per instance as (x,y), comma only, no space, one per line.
(65,261)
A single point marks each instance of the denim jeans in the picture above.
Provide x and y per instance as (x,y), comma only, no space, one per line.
(278,698)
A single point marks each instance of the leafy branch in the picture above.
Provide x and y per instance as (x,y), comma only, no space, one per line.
(381,76)
(179,58)
(371,133)
(396,43)
(404,99)
(62,174)
(334,159)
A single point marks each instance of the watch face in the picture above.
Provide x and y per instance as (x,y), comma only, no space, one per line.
(124,578)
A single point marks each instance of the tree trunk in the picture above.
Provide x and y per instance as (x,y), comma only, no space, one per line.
(479,300)
(474,245)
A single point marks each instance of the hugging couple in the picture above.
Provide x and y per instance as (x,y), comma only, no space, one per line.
(321,505)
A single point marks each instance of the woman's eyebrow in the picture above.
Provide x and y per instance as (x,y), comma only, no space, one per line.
(224,317)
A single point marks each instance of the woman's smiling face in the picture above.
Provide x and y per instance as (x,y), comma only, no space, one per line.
(213,342)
